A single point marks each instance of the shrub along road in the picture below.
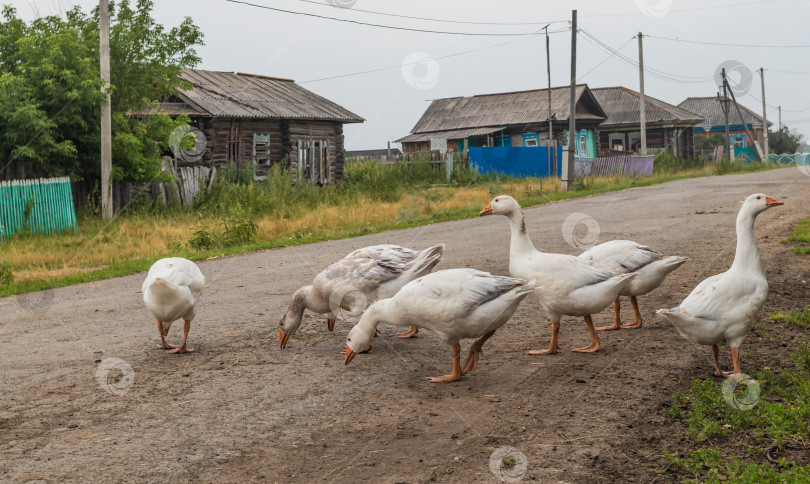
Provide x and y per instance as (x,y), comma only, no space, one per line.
(239,409)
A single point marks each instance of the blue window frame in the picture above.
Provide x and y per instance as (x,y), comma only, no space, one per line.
(531,140)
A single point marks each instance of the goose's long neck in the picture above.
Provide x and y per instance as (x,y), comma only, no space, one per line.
(747,257)
(520,243)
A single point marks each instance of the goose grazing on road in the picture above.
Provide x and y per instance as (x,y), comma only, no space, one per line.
(362,277)
(567,285)
(454,303)
(171,291)
(722,307)
(623,256)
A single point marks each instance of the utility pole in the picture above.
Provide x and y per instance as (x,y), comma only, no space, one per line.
(764,116)
(106,116)
(742,120)
(568,169)
(552,152)
(642,113)
(724,105)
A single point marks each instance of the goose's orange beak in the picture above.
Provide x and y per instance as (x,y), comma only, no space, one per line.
(772,202)
(349,355)
(486,211)
(282,339)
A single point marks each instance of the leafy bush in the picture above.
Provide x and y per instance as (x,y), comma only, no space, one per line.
(6,274)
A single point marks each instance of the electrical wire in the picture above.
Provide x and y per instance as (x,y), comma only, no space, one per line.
(477,34)
(722,44)
(607,58)
(789,72)
(399,66)
(466,22)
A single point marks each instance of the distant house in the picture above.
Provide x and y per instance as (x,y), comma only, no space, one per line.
(506,119)
(667,126)
(258,121)
(711,109)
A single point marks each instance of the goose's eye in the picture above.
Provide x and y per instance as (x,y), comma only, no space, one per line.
(348,339)
(759,198)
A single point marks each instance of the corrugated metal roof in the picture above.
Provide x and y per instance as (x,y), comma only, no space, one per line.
(242,95)
(452,134)
(523,107)
(621,106)
(712,111)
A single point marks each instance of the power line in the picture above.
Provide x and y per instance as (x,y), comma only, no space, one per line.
(469,22)
(607,58)
(434,58)
(477,34)
(653,72)
(722,44)
(801,73)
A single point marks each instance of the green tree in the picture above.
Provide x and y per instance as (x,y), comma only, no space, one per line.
(784,140)
(51,90)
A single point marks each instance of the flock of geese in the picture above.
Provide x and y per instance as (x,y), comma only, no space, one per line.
(395,285)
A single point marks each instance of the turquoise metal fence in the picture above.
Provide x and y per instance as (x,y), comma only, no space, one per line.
(40,206)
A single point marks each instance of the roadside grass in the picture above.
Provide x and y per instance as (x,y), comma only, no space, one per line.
(778,423)
(801,236)
(238,216)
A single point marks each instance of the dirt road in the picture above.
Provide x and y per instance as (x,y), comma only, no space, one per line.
(239,409)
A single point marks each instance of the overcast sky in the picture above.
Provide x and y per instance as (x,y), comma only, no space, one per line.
(423,66)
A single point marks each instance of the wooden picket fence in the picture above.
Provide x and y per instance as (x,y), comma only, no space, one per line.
(41,206)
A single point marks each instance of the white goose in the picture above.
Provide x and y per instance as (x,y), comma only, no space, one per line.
(454,303)
(568,285)
(623,256)
(365,275)
(171,291)
(722,307)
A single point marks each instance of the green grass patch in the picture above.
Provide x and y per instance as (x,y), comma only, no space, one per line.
(779,420)
(800,236)
(800,319)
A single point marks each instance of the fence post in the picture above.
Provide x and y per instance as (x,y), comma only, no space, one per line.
(448,165)
(567,175)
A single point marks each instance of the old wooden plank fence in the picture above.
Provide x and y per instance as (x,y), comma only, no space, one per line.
(41,206)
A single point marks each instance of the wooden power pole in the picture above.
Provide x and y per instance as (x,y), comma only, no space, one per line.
(642,114)
(780,119)
(106,116)
(724,105)
(552,152)
(567,176)
(765,147)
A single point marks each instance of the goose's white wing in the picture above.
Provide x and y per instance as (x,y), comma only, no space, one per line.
(621,256)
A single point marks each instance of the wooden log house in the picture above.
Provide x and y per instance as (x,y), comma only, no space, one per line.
(258,121)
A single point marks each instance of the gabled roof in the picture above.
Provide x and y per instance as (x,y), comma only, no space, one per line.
(712,111)
(241,95)
(504,109)
(621,106)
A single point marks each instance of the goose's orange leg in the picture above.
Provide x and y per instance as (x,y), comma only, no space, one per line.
(456,374)
(163,332)
(407,334)
(552,346)
(639,320)
(594,338)
(475,349)
(182,348)
(617,318)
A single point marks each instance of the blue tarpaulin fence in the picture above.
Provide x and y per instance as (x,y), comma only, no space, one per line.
(514,160)
(40,206)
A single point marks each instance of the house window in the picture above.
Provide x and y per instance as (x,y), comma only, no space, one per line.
(261,155)
(313,160)
(739,140)
(583,143)
(616,141)
(634,140)
(531,140)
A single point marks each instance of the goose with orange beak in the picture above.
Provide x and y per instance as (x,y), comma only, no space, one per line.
(567,285)
(348,286)
(455,303)
(723,307)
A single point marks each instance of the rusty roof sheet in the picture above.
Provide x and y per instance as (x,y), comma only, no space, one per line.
(712,111)
(510,108)
(242,95)
(621,106)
